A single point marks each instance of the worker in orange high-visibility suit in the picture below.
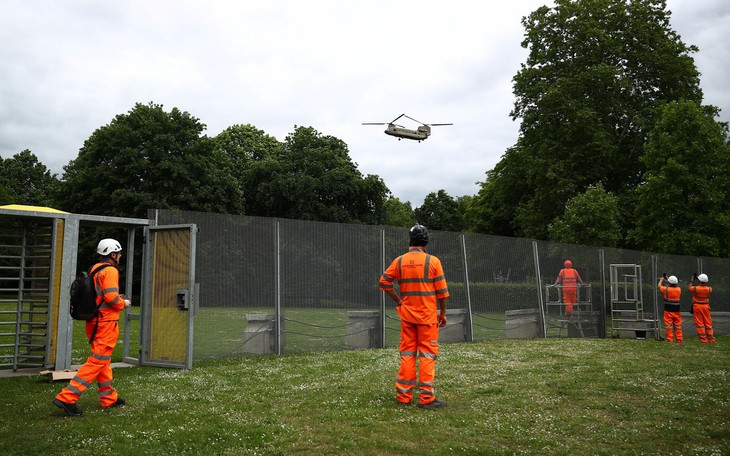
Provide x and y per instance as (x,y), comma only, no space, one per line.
(569,278)
(701,308)
(106,324)
(423,289)
(672,314)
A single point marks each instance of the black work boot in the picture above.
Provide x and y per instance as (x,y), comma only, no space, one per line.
(436,403)
(70,409)
(119,403)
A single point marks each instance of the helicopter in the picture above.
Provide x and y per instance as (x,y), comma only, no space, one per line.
(419,134)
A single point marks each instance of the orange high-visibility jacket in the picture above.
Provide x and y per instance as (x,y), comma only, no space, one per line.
(107,291)
(700,294)
(568,277)
(671,298)
(422,283)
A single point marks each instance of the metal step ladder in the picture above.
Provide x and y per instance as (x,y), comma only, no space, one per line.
(25,271)
(629,318)
(582,322)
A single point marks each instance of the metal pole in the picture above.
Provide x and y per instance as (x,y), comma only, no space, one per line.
(538,282)
(602,316)
(382,293)
(278,317)
(466,285)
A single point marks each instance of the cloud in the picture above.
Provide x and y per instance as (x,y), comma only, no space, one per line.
(70,67)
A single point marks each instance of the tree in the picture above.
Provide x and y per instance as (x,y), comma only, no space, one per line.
(246,145)
(398,213)
(26,180)
(150,158)
(588,94)
(591,218)
(440,212)
(313,178)
(5,196)
(684,202)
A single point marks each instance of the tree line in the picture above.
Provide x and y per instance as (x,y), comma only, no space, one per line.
(615,148)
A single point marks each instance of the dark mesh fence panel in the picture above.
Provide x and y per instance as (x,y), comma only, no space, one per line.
(328,270)
(502,282)
(275,285)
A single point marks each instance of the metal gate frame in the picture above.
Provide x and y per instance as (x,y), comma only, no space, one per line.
(184,298)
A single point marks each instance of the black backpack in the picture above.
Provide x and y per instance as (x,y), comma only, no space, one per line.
(83,296)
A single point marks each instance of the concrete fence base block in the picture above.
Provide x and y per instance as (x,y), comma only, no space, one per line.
(522,324)
(259,337)
(457,326)
(363,329)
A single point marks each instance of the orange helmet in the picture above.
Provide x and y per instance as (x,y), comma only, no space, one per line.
(568,264)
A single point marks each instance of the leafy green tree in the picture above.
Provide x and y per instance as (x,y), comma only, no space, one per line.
(5,196)
(684,202)
(26,180)
(398,213)
(591,218)
(440,212)
(146,159)
(245,145)
(588,94)
(313,178)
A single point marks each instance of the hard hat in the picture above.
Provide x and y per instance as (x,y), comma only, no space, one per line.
(702,278)
(418,235)
(673,280)
(568,264)
(107,246)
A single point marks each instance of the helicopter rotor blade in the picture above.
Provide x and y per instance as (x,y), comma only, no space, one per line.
(375,123)
(409,117)
(402,115)
(438,124)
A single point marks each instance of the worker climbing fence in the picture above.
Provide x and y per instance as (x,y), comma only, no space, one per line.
(277,286)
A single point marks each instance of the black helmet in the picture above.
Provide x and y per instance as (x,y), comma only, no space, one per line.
(418,235)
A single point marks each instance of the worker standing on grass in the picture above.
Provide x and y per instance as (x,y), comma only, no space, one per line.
(672,314)
(701,308)
(106,324)
(423,288)
(569,279)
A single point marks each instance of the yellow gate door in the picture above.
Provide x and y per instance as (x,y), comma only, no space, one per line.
(168,298)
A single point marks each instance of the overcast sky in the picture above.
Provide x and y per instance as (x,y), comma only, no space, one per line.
(69,67)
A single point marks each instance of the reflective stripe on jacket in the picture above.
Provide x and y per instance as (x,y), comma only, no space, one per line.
(110,302)
(569,277)
(421,281)
(700,294)
(671,298)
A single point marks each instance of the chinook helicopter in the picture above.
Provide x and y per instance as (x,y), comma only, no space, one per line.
(419,134)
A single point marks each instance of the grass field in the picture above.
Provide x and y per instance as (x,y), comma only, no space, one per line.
(536,396)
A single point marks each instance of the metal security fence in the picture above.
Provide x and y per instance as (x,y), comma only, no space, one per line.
(283,286)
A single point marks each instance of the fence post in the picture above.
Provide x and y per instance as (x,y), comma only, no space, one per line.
(382,293)
(538,280)
(470,336)
(602,316)
(277,311)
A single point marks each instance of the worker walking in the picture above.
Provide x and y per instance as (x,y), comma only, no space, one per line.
(672,314)
(106,324)
(423,288)
(701,308)
(569,279)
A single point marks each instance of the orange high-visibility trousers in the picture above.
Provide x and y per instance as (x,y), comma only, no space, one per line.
(418,342)
(703,322)
(673,326)
(97,366)
(570,297)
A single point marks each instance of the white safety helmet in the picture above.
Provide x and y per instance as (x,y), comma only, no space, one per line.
(702,278)
(673,280)
(107,246)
